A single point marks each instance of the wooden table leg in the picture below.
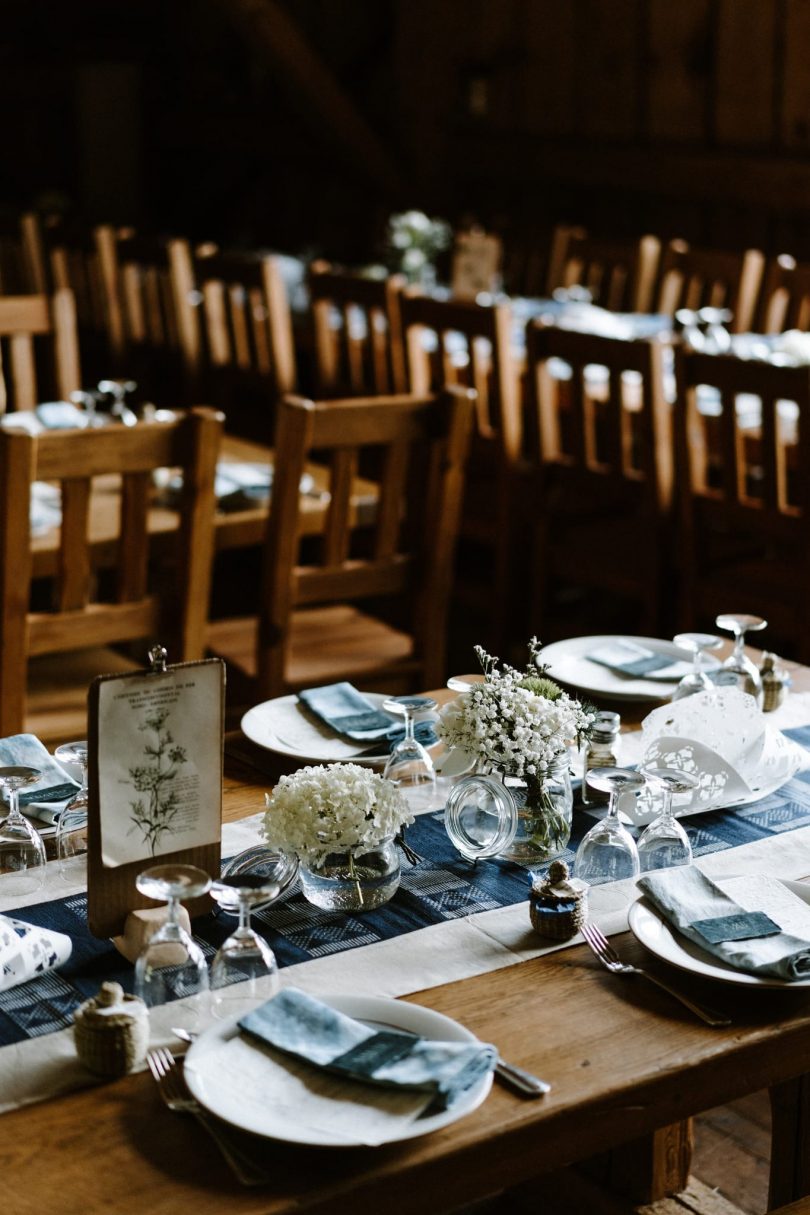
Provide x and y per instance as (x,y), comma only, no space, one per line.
(790,1141)
(649,1168)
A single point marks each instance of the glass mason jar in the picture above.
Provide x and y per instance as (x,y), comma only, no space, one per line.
(544,805)
(352,881)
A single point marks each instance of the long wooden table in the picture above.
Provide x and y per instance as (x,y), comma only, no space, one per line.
(625,1062)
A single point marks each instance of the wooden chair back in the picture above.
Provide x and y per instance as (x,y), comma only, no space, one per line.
(696,278)
(743,476)
(121,603)
(421,444)
(619,274)
(604,467)
(356,331)
(39,349)
(604,430)
(785,298)
(248,348)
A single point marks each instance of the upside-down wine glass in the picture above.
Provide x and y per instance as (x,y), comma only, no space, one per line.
(244,972)
(608,852)
(664,842)
(171,965)
(22,852)
(738,669)
(71,827)
(697,680)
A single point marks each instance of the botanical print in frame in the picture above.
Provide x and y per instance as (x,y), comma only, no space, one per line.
(159,757)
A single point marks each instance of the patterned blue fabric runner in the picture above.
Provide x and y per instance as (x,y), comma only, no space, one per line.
(441,887)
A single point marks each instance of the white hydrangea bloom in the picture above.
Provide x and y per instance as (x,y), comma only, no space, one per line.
(335,808)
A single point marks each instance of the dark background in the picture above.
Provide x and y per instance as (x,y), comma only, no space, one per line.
(302,125)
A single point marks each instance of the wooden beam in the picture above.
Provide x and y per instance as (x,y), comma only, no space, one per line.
(273,33)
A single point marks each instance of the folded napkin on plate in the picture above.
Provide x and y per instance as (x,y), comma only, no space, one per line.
(701,911)
(46,508)
(46,798)
(299,1025)
(346,711)
(627,658)
(27,951)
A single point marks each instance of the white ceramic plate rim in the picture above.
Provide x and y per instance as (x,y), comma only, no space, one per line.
(257,726)
(605,682)
(378,1009)
(648,926)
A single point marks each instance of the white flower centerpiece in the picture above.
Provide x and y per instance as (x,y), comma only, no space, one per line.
(341,821)
(415,241)
(519,725)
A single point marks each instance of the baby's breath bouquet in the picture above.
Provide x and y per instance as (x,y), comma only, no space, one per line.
(520,724)
(414,241)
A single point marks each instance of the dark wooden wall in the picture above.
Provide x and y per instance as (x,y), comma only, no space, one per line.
(687,117)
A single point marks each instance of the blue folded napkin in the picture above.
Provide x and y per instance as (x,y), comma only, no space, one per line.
(346,711)
(299,1025)
(693,904)
(46,798)
(629,659)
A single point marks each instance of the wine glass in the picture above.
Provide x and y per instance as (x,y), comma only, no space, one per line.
(608,852)
(664,842)
(697,680)
(71,827)
(171,965)
(22,852)
(739,670)
(244,972)
(409,764)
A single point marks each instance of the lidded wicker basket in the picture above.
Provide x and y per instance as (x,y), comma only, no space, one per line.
(111,1031)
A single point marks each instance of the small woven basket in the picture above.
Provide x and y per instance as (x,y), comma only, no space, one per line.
(111,1031)
(558,904)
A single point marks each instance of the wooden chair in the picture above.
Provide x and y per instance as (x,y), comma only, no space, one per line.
(620,274)
(311,628)
(39,349)
(248,353)
(462,342)
(696,278)
(785,299)
(356,332)
(603,469)
(51,648)
(743,480)
(151,304)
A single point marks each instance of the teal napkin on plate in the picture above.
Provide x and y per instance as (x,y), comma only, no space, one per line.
(346,711)
(299,1025)
(684,896)
(46,798)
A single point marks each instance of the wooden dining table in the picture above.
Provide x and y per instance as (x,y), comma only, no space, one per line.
(627,1065)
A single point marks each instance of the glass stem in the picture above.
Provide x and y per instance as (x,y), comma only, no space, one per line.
(171,929)
(739,648)
(613,804)
(13,802)
(409,734)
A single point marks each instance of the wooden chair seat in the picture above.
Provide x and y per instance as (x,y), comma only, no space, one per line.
(326,604)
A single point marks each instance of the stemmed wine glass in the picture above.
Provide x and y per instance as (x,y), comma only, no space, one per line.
(244,972)
(409,764)
(664,842)
(608,852)
(22,852)
(697,680)
(172,965)
(71,828)
(738,669)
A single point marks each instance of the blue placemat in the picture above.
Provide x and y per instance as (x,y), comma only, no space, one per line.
(441,887)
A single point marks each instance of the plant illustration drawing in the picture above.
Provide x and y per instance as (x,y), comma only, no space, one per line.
(154,813)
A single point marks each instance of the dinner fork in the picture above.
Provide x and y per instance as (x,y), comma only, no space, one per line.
(175,1093)
(607,955)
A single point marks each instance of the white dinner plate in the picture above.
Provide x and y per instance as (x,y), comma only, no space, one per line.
(568,663)
(220,1093)
(285,726)
(649,927)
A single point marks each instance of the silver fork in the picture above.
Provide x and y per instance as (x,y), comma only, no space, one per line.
(173,1089)
(607,955)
